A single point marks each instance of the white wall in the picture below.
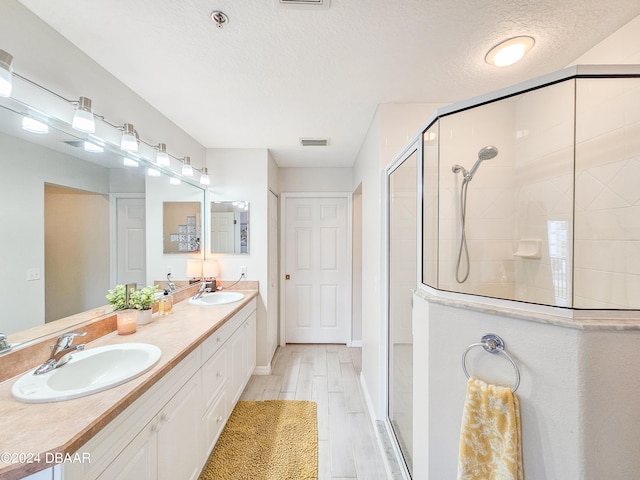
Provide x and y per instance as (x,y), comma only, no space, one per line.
(315,179)
(392,126)
(247,174)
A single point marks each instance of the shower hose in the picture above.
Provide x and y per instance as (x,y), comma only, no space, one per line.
(463,237)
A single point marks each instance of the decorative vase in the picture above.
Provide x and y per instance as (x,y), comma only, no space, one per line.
(144,317)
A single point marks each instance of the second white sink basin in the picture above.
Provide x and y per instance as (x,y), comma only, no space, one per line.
(88,371)
(217,298)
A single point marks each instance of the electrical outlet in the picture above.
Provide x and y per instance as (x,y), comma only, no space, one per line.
(243,271)
(33,274)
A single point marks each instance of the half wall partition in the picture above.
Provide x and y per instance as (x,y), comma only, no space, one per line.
(532,194)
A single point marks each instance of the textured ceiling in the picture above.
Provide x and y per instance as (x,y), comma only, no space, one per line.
(273,75)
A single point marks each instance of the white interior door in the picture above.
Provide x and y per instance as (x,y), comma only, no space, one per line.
(131,250)
(223,232)
(316,270)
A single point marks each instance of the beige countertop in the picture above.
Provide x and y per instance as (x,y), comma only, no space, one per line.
(30,429)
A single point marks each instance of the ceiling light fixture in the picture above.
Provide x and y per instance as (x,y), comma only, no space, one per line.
(129,141)
(219,18)
(6,73)
(83,117)
(510,51)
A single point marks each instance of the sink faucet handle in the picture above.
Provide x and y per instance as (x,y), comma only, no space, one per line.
(66,339)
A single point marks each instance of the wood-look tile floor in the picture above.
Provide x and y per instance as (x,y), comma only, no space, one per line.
(329,376)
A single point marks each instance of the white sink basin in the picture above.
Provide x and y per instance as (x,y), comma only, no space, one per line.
(88,371)
(217,298)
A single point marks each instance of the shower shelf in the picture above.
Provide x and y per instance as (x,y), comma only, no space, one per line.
(529,248)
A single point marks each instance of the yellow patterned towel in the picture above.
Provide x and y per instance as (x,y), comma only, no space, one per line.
(490,447)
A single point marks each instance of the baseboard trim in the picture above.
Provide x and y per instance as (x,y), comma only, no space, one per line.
(262,369)
(356,343)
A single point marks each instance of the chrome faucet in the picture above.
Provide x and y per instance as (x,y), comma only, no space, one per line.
(60,352)
(201,290)
(170,285)
(4,344)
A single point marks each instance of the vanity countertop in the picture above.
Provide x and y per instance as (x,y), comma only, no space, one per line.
(27,430)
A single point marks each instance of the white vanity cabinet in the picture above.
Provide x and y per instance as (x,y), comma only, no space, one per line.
(169,432)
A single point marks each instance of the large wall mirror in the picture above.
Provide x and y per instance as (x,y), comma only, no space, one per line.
(230,227)
(181,227)
(74,224)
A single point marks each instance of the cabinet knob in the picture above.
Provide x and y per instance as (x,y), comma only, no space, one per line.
(218,339)
(218,374)
(164,417)
(219,419)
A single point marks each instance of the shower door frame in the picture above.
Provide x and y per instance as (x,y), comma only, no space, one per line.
(414,147)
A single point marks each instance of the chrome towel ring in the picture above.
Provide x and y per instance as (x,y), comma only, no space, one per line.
(493,344)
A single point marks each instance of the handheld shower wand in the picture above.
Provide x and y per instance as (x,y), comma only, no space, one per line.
(486,153)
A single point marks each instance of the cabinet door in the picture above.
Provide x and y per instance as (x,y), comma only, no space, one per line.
(180,445)
(236,373)
(249,346)
(139,460)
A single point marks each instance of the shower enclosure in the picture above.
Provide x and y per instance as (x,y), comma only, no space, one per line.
(554,217)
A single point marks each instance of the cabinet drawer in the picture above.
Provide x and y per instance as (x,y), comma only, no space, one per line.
(214,377)
(214,421)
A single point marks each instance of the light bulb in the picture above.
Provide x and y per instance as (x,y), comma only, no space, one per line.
(509,51)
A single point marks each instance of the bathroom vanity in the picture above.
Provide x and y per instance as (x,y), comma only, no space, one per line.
(162,424)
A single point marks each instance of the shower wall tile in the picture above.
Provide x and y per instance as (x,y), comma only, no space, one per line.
(607,223)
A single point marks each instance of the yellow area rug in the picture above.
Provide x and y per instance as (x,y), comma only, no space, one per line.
(267,440)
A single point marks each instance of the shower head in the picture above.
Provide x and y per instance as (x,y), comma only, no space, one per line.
(486,153)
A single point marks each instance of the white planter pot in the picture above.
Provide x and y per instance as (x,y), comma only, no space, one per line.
(144,317)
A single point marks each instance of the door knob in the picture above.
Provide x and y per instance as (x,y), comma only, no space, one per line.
(287,277)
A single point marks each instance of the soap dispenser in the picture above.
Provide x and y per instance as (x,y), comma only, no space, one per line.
(165,306)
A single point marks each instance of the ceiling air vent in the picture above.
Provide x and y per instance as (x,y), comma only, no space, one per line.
(314,142)
(317,4)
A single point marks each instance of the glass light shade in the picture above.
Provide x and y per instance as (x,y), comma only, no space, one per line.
(32,125)
(174,181)
(130,162)
(92,147)
(187,169)
(194,268)
(129,142)
(510,51)
(83,120)
(210,269)
(204,177)
(6,74)
(152,172)
(162,158)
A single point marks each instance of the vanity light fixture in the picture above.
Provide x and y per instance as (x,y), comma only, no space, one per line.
(129,141)
(152,172)
(510,51)
(6,73)
(204,177)
(129,162)
(187,169)
(83,117)
(162,157)
(32,125)
(174,181)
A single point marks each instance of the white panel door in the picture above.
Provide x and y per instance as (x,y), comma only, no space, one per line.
(131,250)
(223,232)
(316,270)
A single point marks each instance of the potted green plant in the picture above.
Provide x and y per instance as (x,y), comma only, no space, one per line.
(141,300)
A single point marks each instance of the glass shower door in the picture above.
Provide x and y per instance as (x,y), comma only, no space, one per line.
(403,192)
